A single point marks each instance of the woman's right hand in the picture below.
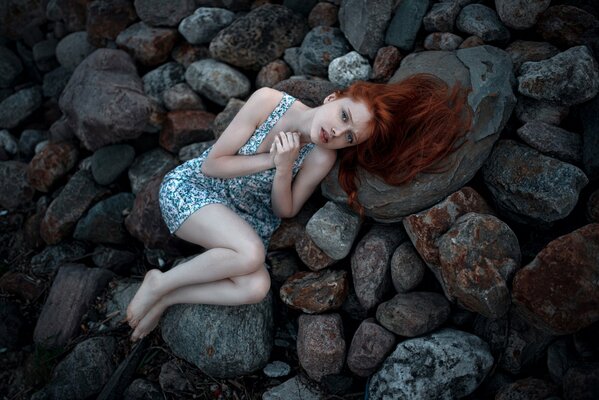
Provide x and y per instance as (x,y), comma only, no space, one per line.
(285,150)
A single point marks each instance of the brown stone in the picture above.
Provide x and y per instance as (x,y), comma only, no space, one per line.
(323,14)
(286,235)
(471,41)
(386,63)
(107,18)
(78,195)
(369,348)
(150,46)
(23,286)
(315,292)
(51,165)
(184,127)
(186,53)
(311,254)
(273,73)
(558,292)
(565,25)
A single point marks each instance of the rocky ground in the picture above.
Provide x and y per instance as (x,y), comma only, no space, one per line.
(478,282)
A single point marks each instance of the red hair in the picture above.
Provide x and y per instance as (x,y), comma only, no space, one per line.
(416,123)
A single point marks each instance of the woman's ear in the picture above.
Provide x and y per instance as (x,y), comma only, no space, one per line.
(329,98)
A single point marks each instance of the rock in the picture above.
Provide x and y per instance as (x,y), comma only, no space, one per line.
(521,51)
(321,46)
(369,347)
(55,81)
(186,54)
(492,102)
(529,109)
(10,67)
(277,369)
(563,272)
(185,127)
(217,81)
(52,257)
(44,55)
(224,118)
(146,44)
(83,372)
(226,341)
(194,150)
(441,17)
(529,187)
(16,189)
(320,344)
(323,14)
(157,81)
(201,26)
(310,254)
(11,325)
(385,64)
(164,12)
(148,166)
(520,14)
(349,68)
(104,222)
(471,41)
(561,356)
(143,389)
(528,388)
(442,41)
(482,21)
(182,97)
(73,49)
(315,292)
(108,163)
(19,17)
(333,229)
(565,25)
(426,227)
(103,102)
(258,37)
(406,23)
(364,23)
(407,268)
(448,364)
(552,80)
(553,141)
(19,106)
(413,314)
(106,19)
(479,255)
(273,73)
(63,213)
(283,264)
(370,263)
(71,294)
(589,117)
(70,12)
(310,92)
(115,260)
(296,388)
(582,381)
(51,165)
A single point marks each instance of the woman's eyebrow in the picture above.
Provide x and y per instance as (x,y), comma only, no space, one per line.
(349,112)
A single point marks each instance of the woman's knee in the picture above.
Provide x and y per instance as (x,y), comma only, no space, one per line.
(252,256)
(256,285)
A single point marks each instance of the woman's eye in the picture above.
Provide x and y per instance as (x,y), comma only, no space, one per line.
(343,116)
(350,139)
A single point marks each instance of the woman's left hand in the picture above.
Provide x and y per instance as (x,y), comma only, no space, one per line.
(286,147)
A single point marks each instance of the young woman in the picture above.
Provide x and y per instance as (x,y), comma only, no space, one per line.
(268,162)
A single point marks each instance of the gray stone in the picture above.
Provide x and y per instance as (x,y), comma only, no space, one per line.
(164,12)
(441,17)
(142,389)
(7,142)
(589,117)
(83,372)
(292,58)
(103,103)
(52,257)
(204,24)
(104,222)
(16,189)
(10,67)
(109,162)
(73,49)
(194,150)
(182,97)
(568,78)
(55,81)
(321,46)
(369,347)
(149,165)
(520,14)
(147,44)
(222,341)
(29,139)
(120,296)
(364,23)
(522,51)
(407,268)
(118,261)
(442,41)
(295,388)
(334,230)
(259,37)
(406,23)
(44,55)
(448,364)
(349,68)
(529,110)
(530,187)
(488,70)
(482,21)
(553,141)
(17,107)
(162,78)
(217,81)
(276,369)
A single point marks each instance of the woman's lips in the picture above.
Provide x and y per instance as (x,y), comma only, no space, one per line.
(324,136)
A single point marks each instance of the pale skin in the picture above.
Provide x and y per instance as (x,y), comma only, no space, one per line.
(231,271)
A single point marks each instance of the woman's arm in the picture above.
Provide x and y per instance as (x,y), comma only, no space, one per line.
(287,200)
(222,161)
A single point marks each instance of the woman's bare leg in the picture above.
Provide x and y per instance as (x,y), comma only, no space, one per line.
(244,289)
(234,250)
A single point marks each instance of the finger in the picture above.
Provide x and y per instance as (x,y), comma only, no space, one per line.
(296,139)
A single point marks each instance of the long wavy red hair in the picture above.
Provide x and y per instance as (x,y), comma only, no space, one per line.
(416,123)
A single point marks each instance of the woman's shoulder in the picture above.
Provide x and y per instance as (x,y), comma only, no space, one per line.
(267,95)
(321,157)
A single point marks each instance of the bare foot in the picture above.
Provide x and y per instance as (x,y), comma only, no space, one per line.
(149,322)
(145,298)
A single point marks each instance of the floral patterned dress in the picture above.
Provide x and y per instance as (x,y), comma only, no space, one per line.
(186,189)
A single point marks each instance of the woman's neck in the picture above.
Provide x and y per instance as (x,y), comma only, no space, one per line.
(299,119)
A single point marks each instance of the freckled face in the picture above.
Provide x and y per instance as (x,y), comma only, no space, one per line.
(340,122)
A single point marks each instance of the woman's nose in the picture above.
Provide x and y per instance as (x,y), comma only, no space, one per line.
(336,132)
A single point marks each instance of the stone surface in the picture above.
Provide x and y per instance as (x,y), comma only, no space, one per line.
(104,222)
(529,109)
(51,165)
(73,49)
(182,97)
(147,166)
(273,73)
(522,50)
(528,388)
(157,81)
(217,81)
(442,41)
(146,44)
(320,46)
(364,23)
(315,292)
(10,67)
(385,64)
(555,292)
(184,127)
(589,117)
(311,254)
(17,107)
(108,163)
(553,141)
(564,25)
(163,12)
(201,26)
(441,16)
(323,14)
(106,19)
(349,68)
(16,188)
(369,347)
(520,14)
(482,21)
(405,23)
(407,268)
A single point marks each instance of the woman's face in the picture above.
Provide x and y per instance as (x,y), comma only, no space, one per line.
(340,122)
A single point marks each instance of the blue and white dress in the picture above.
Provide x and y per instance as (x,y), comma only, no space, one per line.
(186,189)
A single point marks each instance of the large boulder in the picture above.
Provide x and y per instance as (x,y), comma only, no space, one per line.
(488,70)
(104,101)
